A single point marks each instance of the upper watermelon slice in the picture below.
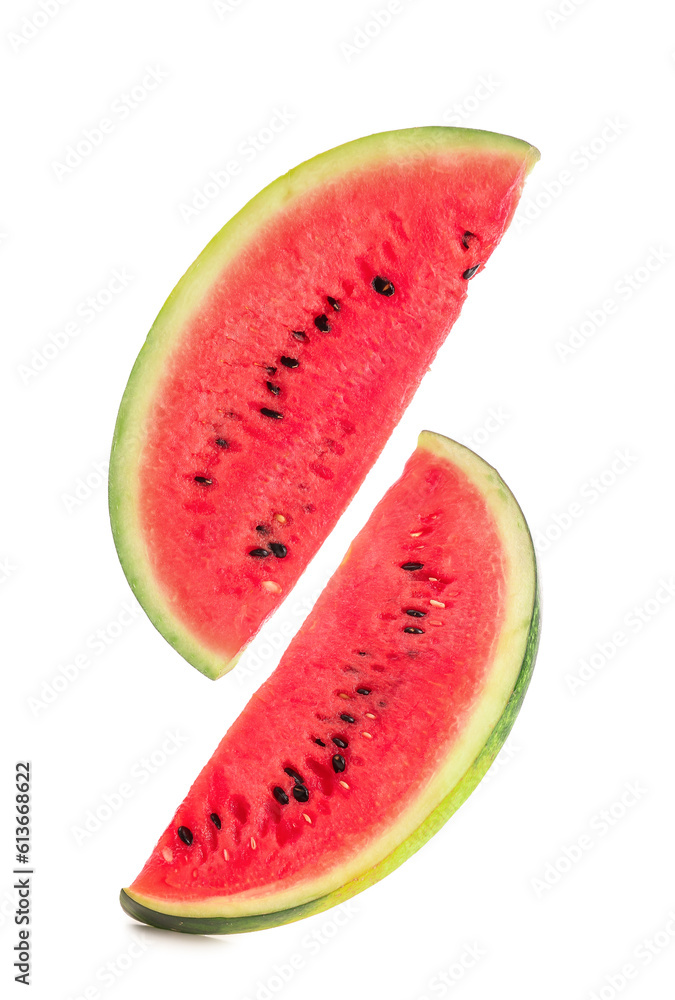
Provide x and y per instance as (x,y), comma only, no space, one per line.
(382,716)
(280,364)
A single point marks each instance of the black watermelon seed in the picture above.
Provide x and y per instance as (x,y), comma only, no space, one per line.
(299,334)
(347,718)
(338,763)
(321,323)
(274,389)
(215,819)
(300,793)
(272,414)
(411,630)
(383,286)
(294,775)
(203,481)
(465,239)
(339,742)
(363,690)
(416,614)
(333,303)
(185,835)
(320,742)
(290,362)
(261,528)
(361,652)
(221,442)
(279,550)
(412,566)
(258,553)
(280,795)
(271,369)
(470,271)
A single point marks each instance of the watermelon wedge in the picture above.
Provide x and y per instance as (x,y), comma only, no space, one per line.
(383,715)
(280,364)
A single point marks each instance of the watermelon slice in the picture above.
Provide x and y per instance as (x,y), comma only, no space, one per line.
(383,715)
(282,361)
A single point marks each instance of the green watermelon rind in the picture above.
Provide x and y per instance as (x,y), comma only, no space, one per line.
(431,823)
(182,302)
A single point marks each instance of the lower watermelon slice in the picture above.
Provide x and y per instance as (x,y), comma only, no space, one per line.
(282,361)
(383,715)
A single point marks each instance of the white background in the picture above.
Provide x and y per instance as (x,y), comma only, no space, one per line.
(593,89)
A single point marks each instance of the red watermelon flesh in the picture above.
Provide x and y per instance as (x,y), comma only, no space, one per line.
(402,674)
(281,364)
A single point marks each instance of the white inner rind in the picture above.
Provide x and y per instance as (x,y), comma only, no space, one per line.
(481,718)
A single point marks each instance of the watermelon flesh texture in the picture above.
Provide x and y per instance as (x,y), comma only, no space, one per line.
(281,364)
(384,719)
